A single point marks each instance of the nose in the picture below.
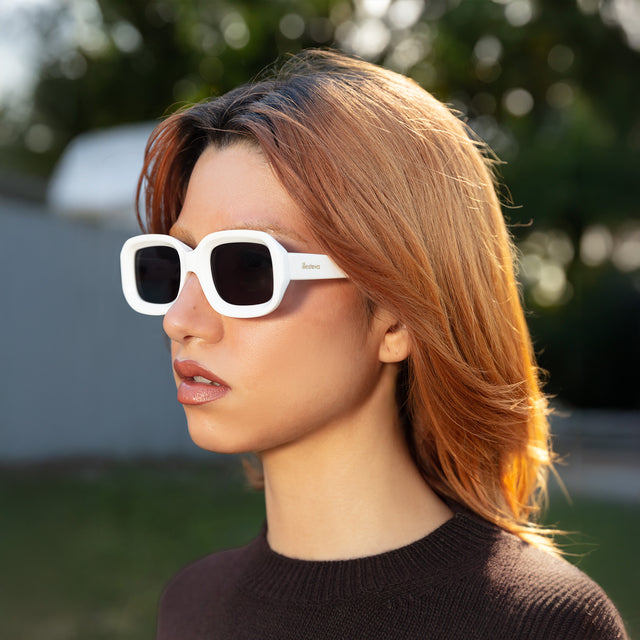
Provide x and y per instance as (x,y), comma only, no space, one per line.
(191,315)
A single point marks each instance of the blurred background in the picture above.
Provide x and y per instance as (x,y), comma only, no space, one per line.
(102,494)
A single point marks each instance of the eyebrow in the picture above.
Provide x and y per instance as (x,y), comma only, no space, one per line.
(273,228)
(184,235)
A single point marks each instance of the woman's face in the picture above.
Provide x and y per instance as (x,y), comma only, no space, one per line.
(309,366)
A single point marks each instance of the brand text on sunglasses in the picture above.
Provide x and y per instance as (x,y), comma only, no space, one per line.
(310,266)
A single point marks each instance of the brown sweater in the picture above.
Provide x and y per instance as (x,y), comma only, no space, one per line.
(468,580)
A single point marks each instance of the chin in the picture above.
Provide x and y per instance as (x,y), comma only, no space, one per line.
(219,439)
(215,442)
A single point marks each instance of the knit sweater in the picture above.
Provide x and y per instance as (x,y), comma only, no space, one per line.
(468,580)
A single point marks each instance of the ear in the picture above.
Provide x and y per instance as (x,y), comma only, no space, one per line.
(395,344)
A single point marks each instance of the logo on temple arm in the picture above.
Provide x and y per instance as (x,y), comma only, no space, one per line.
(310,266)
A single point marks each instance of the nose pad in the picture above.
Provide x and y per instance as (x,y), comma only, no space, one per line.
(191,315)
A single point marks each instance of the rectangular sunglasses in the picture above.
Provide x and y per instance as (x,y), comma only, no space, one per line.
(243,273)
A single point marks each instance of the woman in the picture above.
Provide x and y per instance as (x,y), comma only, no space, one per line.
(350,314)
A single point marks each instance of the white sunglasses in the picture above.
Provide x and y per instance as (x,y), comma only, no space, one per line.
(243,273)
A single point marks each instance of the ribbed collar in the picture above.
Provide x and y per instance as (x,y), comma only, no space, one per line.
(462,541)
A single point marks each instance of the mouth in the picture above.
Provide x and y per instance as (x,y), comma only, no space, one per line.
(197,385)
(190,370)
(204,380)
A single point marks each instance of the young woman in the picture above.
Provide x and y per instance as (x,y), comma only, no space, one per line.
(337,283)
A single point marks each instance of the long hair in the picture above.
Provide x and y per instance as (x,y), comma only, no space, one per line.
(394,188)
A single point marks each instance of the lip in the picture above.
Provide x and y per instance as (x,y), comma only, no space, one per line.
(196,393)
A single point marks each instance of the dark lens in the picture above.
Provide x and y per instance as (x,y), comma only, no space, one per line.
(158,274)
(242,273)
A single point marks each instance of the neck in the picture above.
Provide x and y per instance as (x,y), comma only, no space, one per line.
(351,490)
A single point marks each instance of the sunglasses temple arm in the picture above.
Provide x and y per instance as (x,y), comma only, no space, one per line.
(313,266)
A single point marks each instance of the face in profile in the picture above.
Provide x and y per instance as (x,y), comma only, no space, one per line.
(307,368)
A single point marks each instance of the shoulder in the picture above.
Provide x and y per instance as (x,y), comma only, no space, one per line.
(543,595)
(206,573)
(197,592)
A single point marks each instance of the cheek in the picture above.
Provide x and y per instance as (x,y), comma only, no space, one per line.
(291,373)
(320,350)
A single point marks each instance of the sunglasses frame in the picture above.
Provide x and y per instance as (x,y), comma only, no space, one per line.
(286,267)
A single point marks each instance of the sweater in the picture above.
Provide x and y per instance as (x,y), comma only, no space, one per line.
(467,580)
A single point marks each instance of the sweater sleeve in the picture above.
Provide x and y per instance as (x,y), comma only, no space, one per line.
(600,620)
(583,614)
(563,603)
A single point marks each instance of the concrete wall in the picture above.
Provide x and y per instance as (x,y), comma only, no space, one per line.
(81,374)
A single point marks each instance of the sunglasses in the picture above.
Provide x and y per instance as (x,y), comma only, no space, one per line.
(243,273)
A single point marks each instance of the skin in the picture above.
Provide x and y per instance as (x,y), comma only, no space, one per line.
(311,385)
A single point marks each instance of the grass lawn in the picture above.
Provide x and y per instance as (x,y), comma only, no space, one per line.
(85,552)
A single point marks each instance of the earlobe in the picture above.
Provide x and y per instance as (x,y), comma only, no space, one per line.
(395,345)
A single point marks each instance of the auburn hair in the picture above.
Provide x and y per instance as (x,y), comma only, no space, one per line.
(393,187)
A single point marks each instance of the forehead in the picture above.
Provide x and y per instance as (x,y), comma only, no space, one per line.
(235,188)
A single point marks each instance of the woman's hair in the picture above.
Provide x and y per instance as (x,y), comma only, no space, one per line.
(393,186)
